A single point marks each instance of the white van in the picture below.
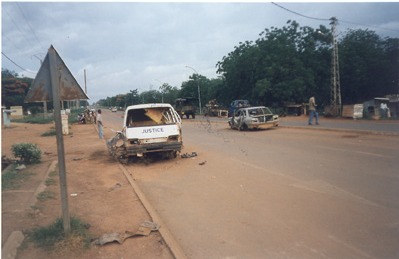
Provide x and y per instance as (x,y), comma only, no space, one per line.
(148,128)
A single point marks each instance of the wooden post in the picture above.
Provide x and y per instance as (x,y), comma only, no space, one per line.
(55,85)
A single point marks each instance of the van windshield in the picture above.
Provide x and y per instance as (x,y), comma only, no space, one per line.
(150,117)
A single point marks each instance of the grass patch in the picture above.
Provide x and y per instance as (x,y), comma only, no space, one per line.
(53,238)
(50,181)
(53,173)
(13,179)
(35,119)
(45,195)
(42,119)
(51,132)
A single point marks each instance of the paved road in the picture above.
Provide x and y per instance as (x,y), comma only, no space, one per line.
(281,193)
(382,126)
(388,127)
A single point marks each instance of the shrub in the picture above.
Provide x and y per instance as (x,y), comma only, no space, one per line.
(28,153)
(53,236)
(51,132)
(45,195)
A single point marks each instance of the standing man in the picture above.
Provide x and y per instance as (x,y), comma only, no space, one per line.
(100,124)
(312,111)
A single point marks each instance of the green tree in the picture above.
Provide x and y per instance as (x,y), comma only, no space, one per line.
(13,89)
(369,66)
(279,67)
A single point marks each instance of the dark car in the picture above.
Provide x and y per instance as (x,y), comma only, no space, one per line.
(236,104)
(186,106)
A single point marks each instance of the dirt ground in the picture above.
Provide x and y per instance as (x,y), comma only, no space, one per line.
(101,195)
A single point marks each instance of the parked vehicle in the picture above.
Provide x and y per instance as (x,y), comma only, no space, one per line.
(212,108)
(147,128)
(253,118)
(186,107)
(236,104)
(114,109)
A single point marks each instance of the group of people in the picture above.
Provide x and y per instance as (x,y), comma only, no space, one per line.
(88,116)
(91,116)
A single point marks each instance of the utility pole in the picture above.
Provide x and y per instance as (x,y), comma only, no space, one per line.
(336,104)
(198,87)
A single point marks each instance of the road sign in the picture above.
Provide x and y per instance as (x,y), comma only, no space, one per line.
(41,90)
(54,82)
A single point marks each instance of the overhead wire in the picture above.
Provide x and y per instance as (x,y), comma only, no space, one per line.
(324,19)
(23,35)
(12,61)
(313,18)
(368,25)
(16,26)
(30,27)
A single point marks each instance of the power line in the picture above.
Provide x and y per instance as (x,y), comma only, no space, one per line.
(16,25)
(16,63)
(288,10)
(30,27)
(341,21)
(368,25)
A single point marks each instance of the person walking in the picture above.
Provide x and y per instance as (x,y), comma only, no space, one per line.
(100,124)
(312,111)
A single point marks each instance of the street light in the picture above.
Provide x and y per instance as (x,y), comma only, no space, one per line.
(161,87)
(199,92)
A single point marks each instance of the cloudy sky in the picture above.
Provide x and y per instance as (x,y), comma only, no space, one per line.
(135,45)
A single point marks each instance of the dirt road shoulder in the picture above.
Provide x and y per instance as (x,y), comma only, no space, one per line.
(101,195)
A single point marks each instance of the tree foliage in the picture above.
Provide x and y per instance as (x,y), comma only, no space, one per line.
(290,64)
(284,65)
(369,66)
(13,89)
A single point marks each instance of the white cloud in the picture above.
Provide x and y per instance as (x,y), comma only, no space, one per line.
(125,46)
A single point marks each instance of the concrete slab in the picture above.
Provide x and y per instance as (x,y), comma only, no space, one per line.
(9,250)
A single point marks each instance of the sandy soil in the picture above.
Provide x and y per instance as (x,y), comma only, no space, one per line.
(102,197)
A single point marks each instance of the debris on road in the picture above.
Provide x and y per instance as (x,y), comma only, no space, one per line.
(20,167)
(187,155)
(202,163)
(144,229)
(117,185)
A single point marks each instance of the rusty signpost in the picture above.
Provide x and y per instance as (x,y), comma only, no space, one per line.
(54,82)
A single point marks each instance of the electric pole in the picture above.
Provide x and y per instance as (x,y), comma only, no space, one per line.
(335,80)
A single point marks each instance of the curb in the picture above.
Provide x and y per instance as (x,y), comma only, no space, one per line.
(167,236)
(42,186)
(9,250)
(14,240)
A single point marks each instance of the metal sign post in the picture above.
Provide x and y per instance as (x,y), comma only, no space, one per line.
(55,83)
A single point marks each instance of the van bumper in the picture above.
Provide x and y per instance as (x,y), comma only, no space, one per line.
(133,150)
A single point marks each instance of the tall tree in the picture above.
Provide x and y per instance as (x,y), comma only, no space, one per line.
(279,67)
(363,66)
(13,89)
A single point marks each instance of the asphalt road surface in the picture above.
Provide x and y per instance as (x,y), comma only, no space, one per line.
(279,193)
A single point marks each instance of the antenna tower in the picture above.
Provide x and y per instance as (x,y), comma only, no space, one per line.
(335,80)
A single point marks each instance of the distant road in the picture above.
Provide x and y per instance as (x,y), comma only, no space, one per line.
(279,193)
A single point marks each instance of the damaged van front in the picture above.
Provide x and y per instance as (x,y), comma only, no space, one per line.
(148,128)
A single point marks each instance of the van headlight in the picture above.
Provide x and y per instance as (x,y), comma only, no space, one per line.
(173,138)
(134,141)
